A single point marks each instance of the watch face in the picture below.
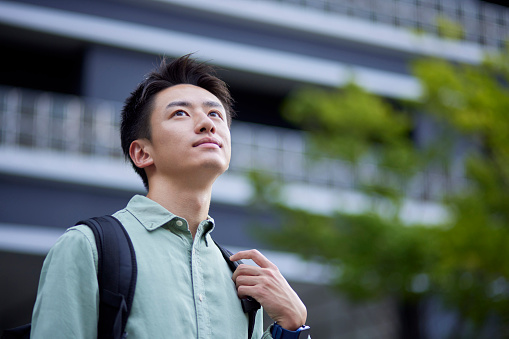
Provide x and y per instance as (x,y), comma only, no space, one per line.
(305,334)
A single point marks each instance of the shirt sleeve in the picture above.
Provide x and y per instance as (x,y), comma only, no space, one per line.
(259,321)
(266,334)
(68,295)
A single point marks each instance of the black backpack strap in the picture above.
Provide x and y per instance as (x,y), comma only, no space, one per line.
(20,332)
(249,305)
(117,272)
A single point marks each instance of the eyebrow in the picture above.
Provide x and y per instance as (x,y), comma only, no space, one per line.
(183,103)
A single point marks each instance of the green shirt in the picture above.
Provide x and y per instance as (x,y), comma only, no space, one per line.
(184,287)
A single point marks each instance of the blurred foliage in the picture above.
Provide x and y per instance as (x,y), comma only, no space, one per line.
(463,261)
(350,123)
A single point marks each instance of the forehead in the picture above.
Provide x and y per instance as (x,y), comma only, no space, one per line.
(191,94)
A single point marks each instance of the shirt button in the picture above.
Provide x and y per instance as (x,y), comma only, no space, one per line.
(200,297)
(179,223)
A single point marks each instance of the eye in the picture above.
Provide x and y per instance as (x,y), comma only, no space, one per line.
(179,113)
(216,114)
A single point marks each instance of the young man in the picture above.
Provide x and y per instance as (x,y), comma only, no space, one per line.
(175,131)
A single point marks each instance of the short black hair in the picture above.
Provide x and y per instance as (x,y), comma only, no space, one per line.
(138,106)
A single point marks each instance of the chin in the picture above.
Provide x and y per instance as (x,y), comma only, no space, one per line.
(216,166)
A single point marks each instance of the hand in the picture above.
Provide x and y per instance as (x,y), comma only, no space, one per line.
(268,286)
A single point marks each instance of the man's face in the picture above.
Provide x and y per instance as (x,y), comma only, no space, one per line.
(189,132)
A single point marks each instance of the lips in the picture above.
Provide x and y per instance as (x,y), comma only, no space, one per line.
(207,140)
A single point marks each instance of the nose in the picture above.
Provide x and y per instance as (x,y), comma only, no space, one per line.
(205,124)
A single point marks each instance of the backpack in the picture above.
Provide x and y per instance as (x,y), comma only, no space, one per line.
(116,276)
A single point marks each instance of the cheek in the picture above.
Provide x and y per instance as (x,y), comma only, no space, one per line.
(228,145)
(169,136)
(227,137)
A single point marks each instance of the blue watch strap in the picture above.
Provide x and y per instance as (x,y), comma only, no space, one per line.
(278,332)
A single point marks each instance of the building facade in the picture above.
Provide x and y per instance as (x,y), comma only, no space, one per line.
(67,65)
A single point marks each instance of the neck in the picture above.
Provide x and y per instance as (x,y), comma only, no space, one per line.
(186,201)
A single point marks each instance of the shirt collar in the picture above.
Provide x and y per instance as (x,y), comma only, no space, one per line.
(152,215)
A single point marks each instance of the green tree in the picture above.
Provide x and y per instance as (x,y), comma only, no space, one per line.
(463,260)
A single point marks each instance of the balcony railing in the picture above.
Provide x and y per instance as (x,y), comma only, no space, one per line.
(43,120)
(483,23)
(69,124)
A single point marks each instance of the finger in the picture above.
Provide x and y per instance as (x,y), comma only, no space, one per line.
(245,291)
(254,255)
(247,281)
(247,270)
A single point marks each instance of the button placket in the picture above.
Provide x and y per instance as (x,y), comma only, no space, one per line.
(198,287)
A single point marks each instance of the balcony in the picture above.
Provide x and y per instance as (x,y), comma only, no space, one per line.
(483,23)
(80,131)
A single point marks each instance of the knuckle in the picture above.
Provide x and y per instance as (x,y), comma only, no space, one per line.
(253,252)
(272,272)
(240,281)
(241,268)
(265,281)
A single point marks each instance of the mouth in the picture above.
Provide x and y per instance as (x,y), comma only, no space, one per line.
(208,142)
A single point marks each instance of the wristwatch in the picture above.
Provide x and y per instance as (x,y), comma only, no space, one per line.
(280,333)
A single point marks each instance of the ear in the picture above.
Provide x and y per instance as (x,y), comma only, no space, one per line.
(139,153)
